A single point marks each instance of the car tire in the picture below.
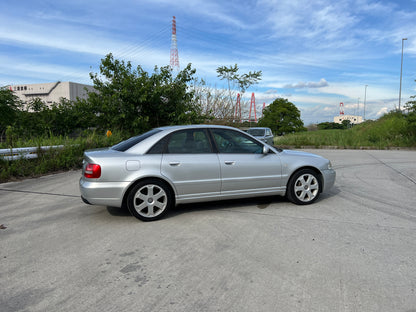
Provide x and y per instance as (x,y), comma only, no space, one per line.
(149,200)
(304,187)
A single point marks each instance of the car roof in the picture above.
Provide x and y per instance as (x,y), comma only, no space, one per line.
(148,143)
(194,126)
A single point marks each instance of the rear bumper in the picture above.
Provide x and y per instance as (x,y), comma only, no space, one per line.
(85,201)
(102,193)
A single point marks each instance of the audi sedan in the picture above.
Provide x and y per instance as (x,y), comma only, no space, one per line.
(152,172)
(263,134)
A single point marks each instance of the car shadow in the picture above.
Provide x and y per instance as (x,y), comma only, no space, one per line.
(119,212)
(259,202)
(331,193)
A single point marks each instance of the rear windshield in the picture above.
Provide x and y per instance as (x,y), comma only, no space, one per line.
(256,132)
(125,145)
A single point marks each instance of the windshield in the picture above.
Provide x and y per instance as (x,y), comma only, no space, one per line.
(256,132)
(125,145)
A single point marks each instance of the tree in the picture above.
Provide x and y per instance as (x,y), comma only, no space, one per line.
(9,104)
(346,124)
(134,101)
(37,105)
(411,116)
(282,117)
(211,101)
(333,125)
(243,81)
(411,105)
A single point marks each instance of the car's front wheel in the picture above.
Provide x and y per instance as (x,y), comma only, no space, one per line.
(149,200)
(304,187)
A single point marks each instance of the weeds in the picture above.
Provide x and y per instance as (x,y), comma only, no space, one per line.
(390,131)
(385,133)
(53,160)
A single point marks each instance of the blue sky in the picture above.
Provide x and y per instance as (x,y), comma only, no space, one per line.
(314,53)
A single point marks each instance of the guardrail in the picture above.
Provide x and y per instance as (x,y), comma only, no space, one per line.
(24,152)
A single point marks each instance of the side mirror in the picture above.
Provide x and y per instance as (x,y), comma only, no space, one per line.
(266,150)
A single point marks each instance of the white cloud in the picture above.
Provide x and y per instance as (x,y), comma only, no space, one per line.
(351,43)
(309,19)
(58,37)
(382,111)
(302,85)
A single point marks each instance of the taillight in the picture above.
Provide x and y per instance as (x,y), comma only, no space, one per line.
(92,171)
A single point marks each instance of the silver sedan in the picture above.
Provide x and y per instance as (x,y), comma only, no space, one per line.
(167,166)
(263,134)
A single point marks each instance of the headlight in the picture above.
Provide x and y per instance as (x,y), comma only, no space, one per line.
(329,165)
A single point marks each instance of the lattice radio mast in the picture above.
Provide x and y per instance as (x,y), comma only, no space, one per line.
(341,108)
(253,103)
(237,115)
(174,58)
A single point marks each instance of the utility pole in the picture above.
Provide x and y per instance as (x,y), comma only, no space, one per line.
(401,70)
(365,98)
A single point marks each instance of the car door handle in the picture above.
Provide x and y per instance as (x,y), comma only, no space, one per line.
(174,163)
(229,162)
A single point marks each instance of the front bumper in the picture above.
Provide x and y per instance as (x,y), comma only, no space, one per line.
(329,176)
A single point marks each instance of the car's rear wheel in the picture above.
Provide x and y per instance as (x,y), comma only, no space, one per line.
(149,200)
(304,187)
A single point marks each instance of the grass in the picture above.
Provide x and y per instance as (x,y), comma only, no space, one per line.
(54,160)
(385,133)
(382,134)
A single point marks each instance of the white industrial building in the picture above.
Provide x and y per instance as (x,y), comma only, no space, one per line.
(51,92)
(353,119)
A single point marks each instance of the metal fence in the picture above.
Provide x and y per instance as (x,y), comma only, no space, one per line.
(24,152)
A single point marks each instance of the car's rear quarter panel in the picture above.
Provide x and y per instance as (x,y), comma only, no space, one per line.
(119,170)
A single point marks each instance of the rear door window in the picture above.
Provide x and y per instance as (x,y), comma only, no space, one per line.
(191,141)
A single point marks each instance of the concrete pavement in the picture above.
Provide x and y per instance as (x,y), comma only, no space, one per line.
(353,250)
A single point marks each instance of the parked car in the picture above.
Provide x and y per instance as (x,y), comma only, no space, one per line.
(154,171)
(263,134)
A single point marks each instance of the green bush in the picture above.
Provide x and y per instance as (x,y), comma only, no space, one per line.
(392,130)
(67,158)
